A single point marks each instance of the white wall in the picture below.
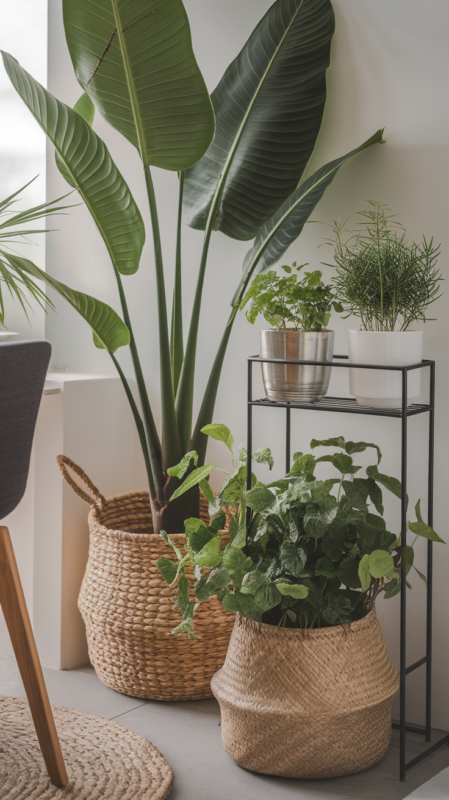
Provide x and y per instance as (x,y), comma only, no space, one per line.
(390,63)
(23,33)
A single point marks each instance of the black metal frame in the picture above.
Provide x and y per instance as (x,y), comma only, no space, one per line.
(347,405)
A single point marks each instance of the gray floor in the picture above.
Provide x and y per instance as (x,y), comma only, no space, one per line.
(188,734)
(435,789)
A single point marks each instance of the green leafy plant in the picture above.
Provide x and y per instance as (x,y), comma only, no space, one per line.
(289,303)
(14,269)
(381,278)
(311,553)
(240,156)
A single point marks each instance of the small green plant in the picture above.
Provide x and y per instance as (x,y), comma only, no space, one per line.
(303,552)
(381,278)
(289,303)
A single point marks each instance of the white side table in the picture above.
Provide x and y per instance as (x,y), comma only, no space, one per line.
(87,418)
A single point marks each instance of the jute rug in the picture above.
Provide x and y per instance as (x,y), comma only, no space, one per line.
(104,760)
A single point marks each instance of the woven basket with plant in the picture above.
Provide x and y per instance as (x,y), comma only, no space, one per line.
(307,686)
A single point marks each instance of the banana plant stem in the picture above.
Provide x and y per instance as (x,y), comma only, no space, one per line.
(152,438)
(184,398)
(139,426)
(176,341)
(171,445)
(199,440)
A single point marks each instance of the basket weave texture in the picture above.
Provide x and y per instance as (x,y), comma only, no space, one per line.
(306,704)
(129,610)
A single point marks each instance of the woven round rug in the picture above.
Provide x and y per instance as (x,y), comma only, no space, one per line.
(104,760)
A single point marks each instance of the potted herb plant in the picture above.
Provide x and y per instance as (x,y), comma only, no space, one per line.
(307,686)
(299,313)
(389,284)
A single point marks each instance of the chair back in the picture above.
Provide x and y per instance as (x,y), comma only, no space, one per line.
(23,367)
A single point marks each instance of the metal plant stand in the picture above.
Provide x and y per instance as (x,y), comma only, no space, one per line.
(350,406)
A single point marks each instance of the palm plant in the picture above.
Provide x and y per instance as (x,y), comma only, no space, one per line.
(14,230)
(240,156)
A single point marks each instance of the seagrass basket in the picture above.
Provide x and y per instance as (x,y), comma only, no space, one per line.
(129,610)
(306,704)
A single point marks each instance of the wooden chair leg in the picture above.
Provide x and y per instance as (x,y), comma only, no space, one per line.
(17,619)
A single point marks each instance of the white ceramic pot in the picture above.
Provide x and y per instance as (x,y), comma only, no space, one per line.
(379,388)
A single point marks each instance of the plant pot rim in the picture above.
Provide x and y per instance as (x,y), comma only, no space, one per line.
(290,330)
(116,534)
(384,333)
(334,631)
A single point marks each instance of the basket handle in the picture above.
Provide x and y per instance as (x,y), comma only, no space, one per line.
(95,501)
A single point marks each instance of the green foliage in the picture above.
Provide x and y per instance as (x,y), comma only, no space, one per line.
(144,51)
(420,528)
(381,278)
(286,302)
(108,329)
(240,156)
(220,432)
(282,66)
(210,555)
(168,569)
(14,230)
(180,469)
(207,491)
(314,552)
(295,590)
(193,479)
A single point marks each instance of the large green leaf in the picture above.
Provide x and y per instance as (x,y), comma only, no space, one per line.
(86,109)
(276,236)
(87,159)
(110,332)
(135,60)
(268,106)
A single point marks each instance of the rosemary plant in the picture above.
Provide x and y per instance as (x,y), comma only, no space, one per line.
(386,282)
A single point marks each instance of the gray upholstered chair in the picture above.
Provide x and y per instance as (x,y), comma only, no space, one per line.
(23,366)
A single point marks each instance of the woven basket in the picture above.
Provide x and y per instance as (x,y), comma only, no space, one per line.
(306,704)
(129,610)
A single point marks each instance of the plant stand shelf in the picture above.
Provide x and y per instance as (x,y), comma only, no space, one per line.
(349,406)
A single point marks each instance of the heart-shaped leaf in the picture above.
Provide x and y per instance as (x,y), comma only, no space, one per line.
(220,432)
(295,590)
(168,570)
(210,555)
(260,499)
(380,563)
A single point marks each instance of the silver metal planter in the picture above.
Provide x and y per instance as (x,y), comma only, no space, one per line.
(291,382)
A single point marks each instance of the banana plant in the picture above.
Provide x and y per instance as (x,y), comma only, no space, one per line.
(240,157)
